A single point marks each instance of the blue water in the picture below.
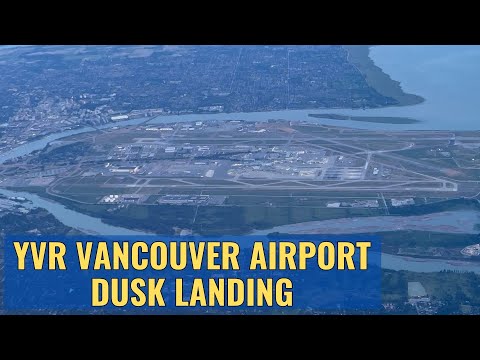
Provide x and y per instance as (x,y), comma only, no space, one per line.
(39,144)
(447,76)
(87,224)
(458,221)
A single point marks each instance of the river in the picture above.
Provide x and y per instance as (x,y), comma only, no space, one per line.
(460,221)
(445,75)
(452,222)
(87,224)
(39,144)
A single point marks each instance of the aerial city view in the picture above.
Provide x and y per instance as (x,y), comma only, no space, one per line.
(240,140)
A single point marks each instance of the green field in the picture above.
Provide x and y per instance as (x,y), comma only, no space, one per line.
(121,180)
(392,241)
(164,182)
(451,287)
(213,220)
(207,181)
(311,129)
(203,141)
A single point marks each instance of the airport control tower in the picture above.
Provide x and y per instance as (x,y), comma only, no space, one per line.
(451,142)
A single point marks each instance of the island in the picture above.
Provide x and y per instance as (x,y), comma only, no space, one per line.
(372,119)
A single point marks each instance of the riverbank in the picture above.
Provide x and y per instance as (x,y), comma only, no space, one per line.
(359,56)
(70,218)
(372,119)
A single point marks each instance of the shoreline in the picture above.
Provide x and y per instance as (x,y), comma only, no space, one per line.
(371,119)
(359,56)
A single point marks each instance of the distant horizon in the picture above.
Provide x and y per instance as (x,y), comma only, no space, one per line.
(13,46)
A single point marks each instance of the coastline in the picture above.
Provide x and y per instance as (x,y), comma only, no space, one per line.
(372,119)
(359,56)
